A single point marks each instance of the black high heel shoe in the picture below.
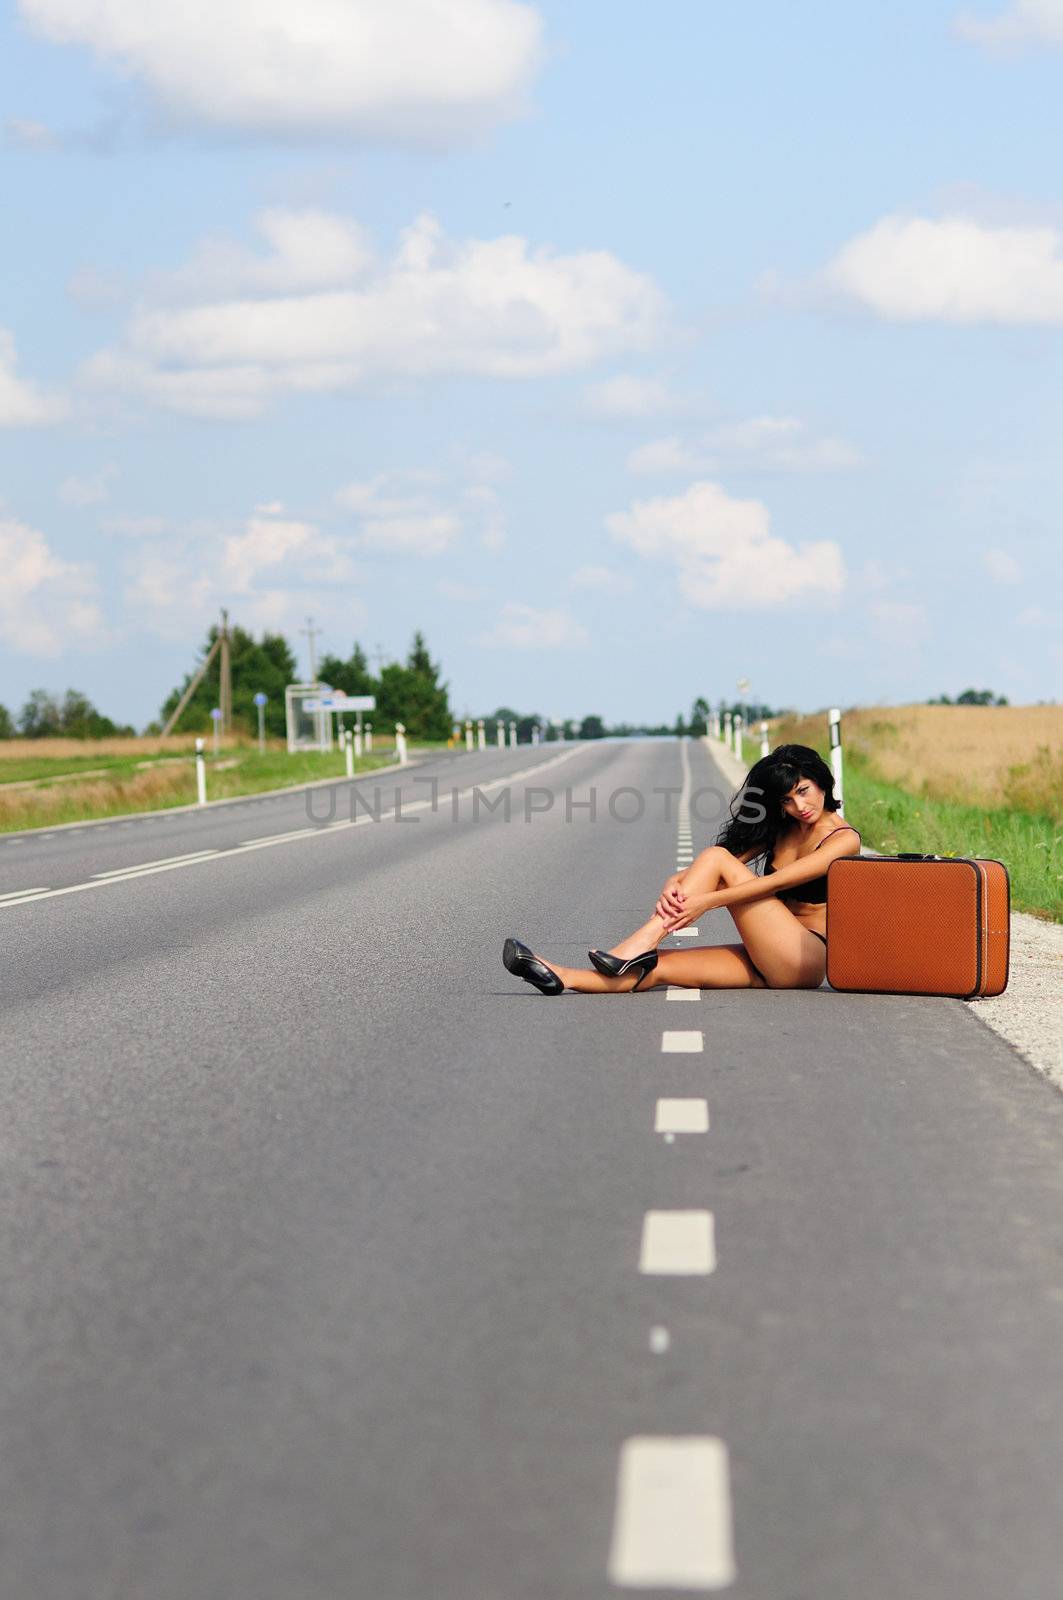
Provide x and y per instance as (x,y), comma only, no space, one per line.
(615,966)
(524,963)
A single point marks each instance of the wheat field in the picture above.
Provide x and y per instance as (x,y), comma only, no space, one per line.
(1008,757)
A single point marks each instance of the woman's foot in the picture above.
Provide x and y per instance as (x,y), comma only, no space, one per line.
(612,967)
(642,939)
(524,963)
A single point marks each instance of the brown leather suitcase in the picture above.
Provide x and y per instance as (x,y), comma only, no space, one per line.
(912,924)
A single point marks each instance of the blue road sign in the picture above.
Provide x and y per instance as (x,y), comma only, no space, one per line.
(216,713)
(260,698)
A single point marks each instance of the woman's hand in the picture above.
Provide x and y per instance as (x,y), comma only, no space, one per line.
(672,901)
(693,906)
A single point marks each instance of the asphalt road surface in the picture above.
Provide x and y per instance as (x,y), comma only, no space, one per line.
(336,1262)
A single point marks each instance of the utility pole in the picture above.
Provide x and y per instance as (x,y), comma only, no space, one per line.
(197,679)
(225,687)
(311,634)
(378,657)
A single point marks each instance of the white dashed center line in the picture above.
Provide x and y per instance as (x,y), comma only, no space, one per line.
(682,1116)
(672,1527)
(683,1041)
(678,1244)
(674,992)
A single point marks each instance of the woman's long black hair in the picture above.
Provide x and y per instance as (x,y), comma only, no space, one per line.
(757,816)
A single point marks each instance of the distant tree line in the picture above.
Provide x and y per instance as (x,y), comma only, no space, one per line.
(695,724)
(407,692)
(971,697)
(263,667)
(45,716)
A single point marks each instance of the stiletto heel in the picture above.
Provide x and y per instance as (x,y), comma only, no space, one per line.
(615,967)
(524,963)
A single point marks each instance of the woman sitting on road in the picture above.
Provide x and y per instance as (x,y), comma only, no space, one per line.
(783,924)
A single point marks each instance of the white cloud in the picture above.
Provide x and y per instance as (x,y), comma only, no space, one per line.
(953,269)
(521,627)
(24,133)
(22,404)
(758,444)
(662,457)
(1001,567)
(487,504)
(394,520)
(1033,617)
(424,512)
(308,249)
(270,570)
(1022,22)
(425,535)
(724,552)
(628,396)
(603,580)
(45,602)
(405,70)
(269,542)
(88,491)
(494,308)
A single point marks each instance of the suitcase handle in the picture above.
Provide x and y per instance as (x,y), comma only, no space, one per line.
(914,856)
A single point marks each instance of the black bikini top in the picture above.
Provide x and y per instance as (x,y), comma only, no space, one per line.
(815,891)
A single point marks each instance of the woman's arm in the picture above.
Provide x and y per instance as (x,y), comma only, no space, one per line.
(798,872)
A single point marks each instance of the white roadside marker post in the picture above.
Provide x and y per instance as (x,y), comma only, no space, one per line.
(481,737)
(513,736)
(835,717)
(500,734)
(764,739)
(400,742)
(369,738)
(201,775)
(468,734)
(348,740)
(727,729)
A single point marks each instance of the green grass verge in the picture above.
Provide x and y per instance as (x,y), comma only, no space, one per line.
(126,787)
(25,769)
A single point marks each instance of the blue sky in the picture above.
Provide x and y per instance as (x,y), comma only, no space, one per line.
(625,350)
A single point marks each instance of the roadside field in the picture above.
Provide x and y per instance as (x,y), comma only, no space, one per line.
(40,790)
(953,780)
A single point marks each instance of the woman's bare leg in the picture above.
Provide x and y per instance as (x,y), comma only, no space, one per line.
(723,966)
(705,873)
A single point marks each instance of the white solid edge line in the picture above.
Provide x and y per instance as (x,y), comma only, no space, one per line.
(675,991)
(166,861)
(678,1244)
(322,830)
(673,1522)
(683,1041)
(682,1115)
(16,894)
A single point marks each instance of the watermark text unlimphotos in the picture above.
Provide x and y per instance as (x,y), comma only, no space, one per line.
(524,802)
